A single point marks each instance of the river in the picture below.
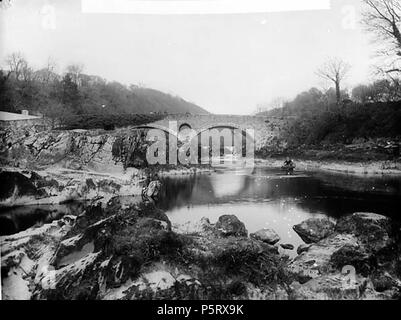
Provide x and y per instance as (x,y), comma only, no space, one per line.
(264,198)
(268,199)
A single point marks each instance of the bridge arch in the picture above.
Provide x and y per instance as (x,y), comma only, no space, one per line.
(219,125)
(225,125)
(184,126)
(157,126)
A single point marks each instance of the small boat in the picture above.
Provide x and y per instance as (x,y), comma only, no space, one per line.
(289,169)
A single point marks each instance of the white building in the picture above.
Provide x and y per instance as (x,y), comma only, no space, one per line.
(10,116)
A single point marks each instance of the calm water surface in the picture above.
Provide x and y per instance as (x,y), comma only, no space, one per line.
(267,198)
(263,198)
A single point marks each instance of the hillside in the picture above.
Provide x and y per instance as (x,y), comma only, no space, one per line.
(147,100)
(62,96)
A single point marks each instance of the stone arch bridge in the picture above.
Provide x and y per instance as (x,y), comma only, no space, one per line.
(266,129)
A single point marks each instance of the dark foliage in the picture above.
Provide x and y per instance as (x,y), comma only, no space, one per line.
(70,98)
(108,122)
(345,124)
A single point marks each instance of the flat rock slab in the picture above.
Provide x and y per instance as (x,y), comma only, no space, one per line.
(266,235)
(314,229)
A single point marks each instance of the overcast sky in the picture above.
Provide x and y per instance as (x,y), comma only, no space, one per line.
(226,63)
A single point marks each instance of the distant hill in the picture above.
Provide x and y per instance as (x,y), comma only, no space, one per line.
(59,96)
(147,100)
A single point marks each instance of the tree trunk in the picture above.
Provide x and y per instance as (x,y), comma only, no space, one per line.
(338,93)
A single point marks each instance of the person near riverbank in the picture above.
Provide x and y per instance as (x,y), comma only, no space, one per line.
(288,165)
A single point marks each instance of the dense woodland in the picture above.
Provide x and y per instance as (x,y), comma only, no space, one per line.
(75,95)
(316,119)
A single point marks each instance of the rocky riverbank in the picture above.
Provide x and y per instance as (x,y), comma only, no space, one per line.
(60,185)
(339,166)
(118,250)
(54,186)
(112,251)
(55,166)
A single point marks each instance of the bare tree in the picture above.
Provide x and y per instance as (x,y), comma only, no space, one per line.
(275,103)
(17,65)
(27,73)
(51,66)
(48,73)
(383,18)
(75,71)
(334,70)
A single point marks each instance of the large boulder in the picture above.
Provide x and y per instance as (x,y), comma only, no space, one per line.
(383,281)
(351,254)
(364,244)
(328,287)
(314,229)
(344,286)
(374,231)
(340,286)
(266,235)
(230,225)
(317,260)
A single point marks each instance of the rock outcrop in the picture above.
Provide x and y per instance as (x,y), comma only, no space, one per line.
(230,225)
(25,187)
(266,235)
(132,253)
(314,229)
(95,150)
(374,231)
(26,258)
(359,259)
(115,252)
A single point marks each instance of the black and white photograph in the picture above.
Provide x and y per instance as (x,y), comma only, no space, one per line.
(200,150)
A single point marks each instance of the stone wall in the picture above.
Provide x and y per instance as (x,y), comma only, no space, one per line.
(24,124)
(267,129)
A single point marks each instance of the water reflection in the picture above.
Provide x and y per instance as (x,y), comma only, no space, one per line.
(332,195)
(262,198)
(266,198)
(21,218)
(229,185)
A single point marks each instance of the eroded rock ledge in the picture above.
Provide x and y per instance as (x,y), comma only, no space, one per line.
(25,187)
(359,258)
(116,252)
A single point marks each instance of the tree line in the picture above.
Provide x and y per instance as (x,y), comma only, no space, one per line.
(337,115)
(73,93)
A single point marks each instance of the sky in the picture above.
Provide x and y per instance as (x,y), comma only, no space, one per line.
(226,63)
